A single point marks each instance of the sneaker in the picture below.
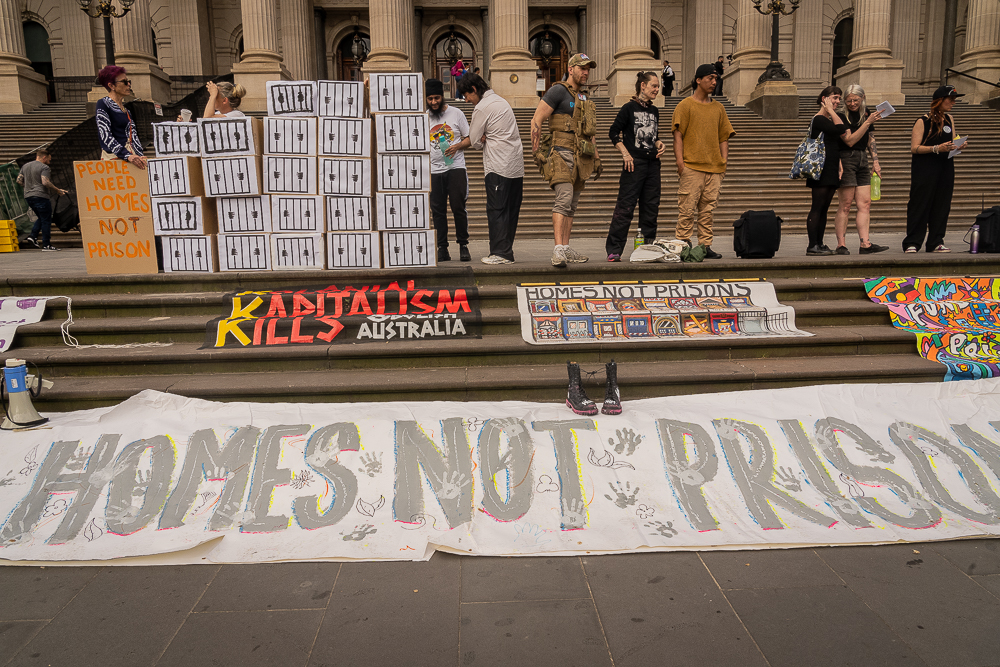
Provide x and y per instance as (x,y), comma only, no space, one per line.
(558,258)
(28,241)
(614,257)
(496,259)
(463,253)
(842,250)
(443,254)
(910,249)
(873,248)
(818,251)
(941,248)
(52,248)
(711,254)
(573,257)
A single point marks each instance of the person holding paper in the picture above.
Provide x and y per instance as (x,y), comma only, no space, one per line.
(449,179)
(932,174)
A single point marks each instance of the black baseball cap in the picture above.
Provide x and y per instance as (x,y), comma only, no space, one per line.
(704,70)
(947,91)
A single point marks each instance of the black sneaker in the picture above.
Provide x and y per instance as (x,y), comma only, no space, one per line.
(443,254)
(818,251)
(463,253)
(711,254)
(873,248)
(50,248)
(28,241)
(842,250)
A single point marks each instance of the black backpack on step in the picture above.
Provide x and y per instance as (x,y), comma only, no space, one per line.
(757,235)
(989,229)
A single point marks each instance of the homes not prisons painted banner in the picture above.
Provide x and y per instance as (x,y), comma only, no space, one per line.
(399,310)
(956,320)
(839,464)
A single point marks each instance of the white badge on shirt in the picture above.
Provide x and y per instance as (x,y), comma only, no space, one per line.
(947,129)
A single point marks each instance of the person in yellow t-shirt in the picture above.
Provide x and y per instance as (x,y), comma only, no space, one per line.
(701,147)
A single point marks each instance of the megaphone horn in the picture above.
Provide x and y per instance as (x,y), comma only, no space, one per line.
(20,413)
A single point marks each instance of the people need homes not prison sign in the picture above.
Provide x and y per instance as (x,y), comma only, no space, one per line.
(847,464)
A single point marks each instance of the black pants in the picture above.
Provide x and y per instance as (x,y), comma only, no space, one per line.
(450,187)
(668,87)
(932,182)
(641,185)
(503,208)
(816,222)
(42,206)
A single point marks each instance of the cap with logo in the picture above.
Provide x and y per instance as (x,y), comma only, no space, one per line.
(947,91)
(582,60)
(704,70)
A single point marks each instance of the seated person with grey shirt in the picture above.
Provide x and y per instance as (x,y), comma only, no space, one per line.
(36,178)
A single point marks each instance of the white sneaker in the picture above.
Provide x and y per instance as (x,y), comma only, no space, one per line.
(496,259)
(574,257)
(52,248)
(559,258)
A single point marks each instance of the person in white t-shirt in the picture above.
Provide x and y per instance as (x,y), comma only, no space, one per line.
(449,179)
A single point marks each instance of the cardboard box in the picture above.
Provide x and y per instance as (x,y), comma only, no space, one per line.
(184,215)
(352,250)
(238,215)
(190,254)
(403,211)
(244,252)
(409,249)
(349,214)
(402,133)
(291,98)
(232,176)
(341,99)
(107,188)
(401,171)
(289,136)
(289,174)
(224,136)
(116,245)
(395,93)
(346,176)
(175,177)
(296,214)
(348,137)
(173,138)
(299,252)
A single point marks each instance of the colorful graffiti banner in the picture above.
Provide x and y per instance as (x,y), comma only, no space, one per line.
(956,320)
(15,311)
(162,478)
(349,314)
(651,311)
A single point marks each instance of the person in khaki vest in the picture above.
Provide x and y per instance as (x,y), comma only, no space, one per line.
(567,156)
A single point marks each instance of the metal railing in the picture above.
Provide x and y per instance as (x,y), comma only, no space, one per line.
(12,204)
(968,76)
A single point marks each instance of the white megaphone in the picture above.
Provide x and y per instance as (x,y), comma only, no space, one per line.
(20,386)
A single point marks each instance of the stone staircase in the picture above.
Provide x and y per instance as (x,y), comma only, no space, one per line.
(20,134)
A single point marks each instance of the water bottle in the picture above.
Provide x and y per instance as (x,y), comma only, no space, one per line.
(974,239)
(639,240)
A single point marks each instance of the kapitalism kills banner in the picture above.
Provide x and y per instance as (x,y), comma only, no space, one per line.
(160,474)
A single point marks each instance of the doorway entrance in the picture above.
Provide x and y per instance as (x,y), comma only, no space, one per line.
(551,59)
(843,38)
(36,43)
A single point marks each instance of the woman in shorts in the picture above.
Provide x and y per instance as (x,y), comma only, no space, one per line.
(855,183)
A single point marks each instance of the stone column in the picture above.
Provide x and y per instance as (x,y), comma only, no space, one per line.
(392,36)
(417,50)
(603,37)
(21,88)
(753,52)
(906,39)
(982,51)
(581,29)
(487,43)
(185,35)
(298,42)
(513,68)
(133,35)
(808,49)
(871,63)
(707,32)
(633,54)
(261,61)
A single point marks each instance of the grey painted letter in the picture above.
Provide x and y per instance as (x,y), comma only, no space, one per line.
(136,497)
(517,464)
(688,477)
(449,473)
(321,455)
(266,476)
(574,508)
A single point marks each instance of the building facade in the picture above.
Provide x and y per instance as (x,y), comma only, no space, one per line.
(51,50)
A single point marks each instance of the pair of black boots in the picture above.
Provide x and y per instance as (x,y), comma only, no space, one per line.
(576,397)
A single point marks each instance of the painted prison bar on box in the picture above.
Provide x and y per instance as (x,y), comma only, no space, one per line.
(409,249)
(409,210)
(232,176)
(349,214)
(347,137)
(291,213)
(353,250)
(341,99)
(172,138)
(175,177)
(244,214)
(402,133)
(225,136)
(291,98)
(184,215)
(189,254)
(244,252)
(346,176)
(289,136)
(394,93)
(404,172)
(297,252)
(289,174)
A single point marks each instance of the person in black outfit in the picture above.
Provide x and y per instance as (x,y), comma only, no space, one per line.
(668,79)
(856,180)
(719,69)
(932,174)
(641,149)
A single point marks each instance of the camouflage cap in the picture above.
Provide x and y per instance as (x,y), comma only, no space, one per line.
(582,60)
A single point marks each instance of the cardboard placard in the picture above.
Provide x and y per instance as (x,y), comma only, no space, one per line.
(297,252)
(403,211)
(402,133)
(291,98)
(116,245)
(223,136)
(107,188)
(292,213)
(184,215)
(348,137)
(404,172)
(342,99)
(244,252)
(232,176)
(173,138)
(190,254)
(175,177)
(409,249)
(349,214)
(346,176)
(353,250)
(289,136)
(393,93)
(244,214)
(289,174)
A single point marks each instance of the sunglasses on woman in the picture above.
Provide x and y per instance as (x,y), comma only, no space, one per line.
(127,82)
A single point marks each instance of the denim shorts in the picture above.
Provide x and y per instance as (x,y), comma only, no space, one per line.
(856,170)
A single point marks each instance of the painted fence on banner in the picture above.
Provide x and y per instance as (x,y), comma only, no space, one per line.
(847,464)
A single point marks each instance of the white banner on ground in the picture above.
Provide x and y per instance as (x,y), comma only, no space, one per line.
(15,311)
(844,464)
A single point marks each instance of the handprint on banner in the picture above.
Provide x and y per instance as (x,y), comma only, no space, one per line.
(574,513)
(687,476)
(787,479)
(622,496)
(372,464)
(79,459)
(662,529)
(628,440)
(360,532)
(451,488)
(530,535)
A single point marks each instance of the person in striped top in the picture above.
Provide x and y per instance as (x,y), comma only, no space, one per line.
(119,137)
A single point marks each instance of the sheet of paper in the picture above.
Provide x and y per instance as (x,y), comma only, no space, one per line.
(958,147)
(886,109)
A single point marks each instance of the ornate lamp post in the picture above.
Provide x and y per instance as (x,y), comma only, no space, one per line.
(358,48)
(546,49)
(453,47)
(107,10)
(775,71)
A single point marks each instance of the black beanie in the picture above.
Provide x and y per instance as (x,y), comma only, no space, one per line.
(434,87)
